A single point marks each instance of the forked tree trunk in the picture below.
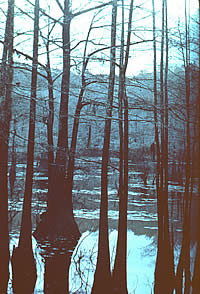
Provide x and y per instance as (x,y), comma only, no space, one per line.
(79,105)
(60,218)
(119,274)
(102,277)
(164,271)
(119,279)
(184,258)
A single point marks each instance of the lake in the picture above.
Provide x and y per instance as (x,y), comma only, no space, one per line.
(142,222)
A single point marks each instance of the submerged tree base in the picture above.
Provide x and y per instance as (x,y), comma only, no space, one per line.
(24,272)
(56,278)
(4,270)
(57,242)
(56,227)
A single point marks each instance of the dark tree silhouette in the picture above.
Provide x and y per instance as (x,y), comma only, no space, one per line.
(155,108)
(102,277)
(50,120)
(56,278)
(164,270)
(59,220)
(6,77)
(57,262)
(119,274)
(183,268)
(12,171)
(23,262)
(196,274)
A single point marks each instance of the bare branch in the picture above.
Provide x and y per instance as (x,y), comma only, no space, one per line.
(90,9)
(47,15)
(60,6)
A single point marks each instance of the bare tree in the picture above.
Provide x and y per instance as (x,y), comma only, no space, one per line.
(102,277)
(159,275)
(79,106)
(164,270)
(184,258)
(50,120)
(63,117)
(6,77)
(60,210)
(23,262)
(196,274)
(119,276)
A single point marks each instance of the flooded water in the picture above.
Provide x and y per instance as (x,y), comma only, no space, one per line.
(142,223)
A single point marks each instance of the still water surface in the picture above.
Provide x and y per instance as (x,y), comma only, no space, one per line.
(142,223)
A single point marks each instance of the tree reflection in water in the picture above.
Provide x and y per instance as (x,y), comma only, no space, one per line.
(57,256)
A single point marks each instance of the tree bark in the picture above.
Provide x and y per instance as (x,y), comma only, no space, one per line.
(160,270)
(72,152)
(57,218)
(196,274)
(102,277)
(119,274)
(26,226)
(60,211)
(184,258)
(164,271)
(6,77)
(167,241)
(63,116)
(23,262)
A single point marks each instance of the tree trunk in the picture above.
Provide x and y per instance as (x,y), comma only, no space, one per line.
(184,258)
(196,274)
(51,169)
(59,220)
(119,279)
(102,277)
(167,242)
(160,270)
(56,276)
(63,116)
(119,274)
(164,271)
(6,74)
(26,227)
(156,124)
(72,152)
(12,171)
(23,262)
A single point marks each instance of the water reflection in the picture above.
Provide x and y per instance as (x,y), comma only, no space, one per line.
(23,270)
(4,268)
(56,274)
(57,259)
(53,260)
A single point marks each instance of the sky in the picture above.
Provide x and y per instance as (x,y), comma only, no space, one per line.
(141,56)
